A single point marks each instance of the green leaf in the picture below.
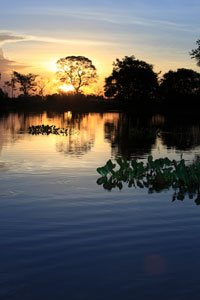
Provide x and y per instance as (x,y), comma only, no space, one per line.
(102,171)
(110,165)
(119,161)
(101,180)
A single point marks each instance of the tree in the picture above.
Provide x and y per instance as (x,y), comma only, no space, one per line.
(131,78)
(77,71)
(11,84)
(27,82)
(196,53)
(180,82)
(42,84)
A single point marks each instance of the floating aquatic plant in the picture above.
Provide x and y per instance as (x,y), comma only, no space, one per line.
(49,129)
(155,175)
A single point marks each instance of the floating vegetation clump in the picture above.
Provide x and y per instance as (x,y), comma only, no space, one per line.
(50,129)
(155,175)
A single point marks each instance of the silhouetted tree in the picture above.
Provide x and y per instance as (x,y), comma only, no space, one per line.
(77,71)
(131,79)
(196,53)
(27,82)
(11,84)
(42,84)
(180,82)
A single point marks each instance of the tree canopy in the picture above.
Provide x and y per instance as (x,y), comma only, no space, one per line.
(195,54)
(77,71)
(181,82)
(27,82)
(131,79)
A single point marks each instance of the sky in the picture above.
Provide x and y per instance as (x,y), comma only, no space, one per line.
(35,34)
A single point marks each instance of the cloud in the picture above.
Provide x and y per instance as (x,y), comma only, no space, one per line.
(7,65)
(6,37)
(120,17)
(87,42)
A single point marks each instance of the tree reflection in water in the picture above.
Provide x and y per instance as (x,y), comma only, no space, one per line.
(131,136)
(181,134)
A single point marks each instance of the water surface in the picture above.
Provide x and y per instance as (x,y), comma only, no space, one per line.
(64,237)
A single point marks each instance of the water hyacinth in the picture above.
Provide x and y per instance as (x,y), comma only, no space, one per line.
(50,129)
(155,175)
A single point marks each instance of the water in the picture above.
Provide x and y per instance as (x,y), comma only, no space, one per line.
(64,237)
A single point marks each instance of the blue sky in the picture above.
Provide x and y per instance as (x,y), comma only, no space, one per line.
(36,33)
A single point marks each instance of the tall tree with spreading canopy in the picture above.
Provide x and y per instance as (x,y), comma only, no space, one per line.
(77,71)
(27,82)
(195,53)
(131,79)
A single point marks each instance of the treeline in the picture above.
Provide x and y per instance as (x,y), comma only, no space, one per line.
(133,83)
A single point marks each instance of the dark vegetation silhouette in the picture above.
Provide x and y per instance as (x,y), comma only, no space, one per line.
(2,94)
(133,86)
(195,53)
(131,80)
(11,84)
(154,175)
(180,90)
(27,83)
(181,82)
(77,71)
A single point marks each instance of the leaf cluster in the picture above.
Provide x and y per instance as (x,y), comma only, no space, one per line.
(156,175)
(195,53)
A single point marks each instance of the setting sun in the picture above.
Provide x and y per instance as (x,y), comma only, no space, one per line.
(66,88)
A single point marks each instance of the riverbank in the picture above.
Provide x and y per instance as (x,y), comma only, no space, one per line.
(175,106)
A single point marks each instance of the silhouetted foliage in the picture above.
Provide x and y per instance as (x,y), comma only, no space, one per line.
(11,84)
(51,129)
(195,54)
(77,71)
(27,82)
(180,82)
(131,79)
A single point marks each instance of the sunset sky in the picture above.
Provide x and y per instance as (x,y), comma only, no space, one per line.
(35,34)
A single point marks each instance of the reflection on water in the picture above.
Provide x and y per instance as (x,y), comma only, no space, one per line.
(61,234)
(128,136)
(86,129)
